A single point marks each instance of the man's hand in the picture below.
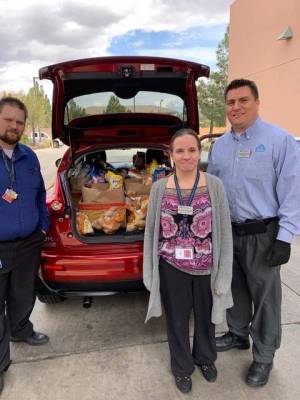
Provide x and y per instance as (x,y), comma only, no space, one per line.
(279,254)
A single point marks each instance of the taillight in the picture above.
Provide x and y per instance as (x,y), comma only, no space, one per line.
(55,199)
(56,205)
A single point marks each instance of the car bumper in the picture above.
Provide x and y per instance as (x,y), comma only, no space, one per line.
(92,269)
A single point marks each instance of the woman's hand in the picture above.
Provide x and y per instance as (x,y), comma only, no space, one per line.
(217,292)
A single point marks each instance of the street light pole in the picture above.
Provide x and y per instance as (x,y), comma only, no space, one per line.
(34,78)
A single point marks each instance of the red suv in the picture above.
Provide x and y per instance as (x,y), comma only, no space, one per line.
(117,115)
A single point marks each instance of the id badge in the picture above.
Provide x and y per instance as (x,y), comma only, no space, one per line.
(244,153)
(184,253)
(185,210)
(9,195)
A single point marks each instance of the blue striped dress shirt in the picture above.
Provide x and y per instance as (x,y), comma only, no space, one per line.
(260,170)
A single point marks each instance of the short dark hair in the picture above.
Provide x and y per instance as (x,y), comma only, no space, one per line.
(237,83)
(184,132)
(14,102)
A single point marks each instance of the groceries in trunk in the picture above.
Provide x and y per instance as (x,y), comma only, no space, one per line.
(109,197)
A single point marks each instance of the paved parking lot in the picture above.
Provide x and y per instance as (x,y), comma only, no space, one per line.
(107,352)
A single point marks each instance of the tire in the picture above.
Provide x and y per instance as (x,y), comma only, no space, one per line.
(50,298)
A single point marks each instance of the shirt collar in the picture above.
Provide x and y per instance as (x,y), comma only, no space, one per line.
(19,151)
(248,132)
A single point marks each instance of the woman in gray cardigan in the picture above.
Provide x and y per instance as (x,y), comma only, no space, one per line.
(188,258)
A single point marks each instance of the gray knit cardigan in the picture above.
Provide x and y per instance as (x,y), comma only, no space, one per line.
(222,248)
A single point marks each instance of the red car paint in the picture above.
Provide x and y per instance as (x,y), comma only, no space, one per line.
(70,264)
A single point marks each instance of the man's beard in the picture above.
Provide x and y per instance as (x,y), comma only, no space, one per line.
(8,139)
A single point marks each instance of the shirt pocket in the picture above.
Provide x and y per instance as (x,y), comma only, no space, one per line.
(260,167)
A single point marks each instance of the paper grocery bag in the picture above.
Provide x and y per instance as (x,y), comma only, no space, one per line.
(94,194)
(133,185)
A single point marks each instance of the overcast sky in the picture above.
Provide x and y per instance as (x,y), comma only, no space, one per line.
(35,33)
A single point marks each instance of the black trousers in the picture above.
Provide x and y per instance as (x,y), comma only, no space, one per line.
(256,290)
(20,261)
(181,293)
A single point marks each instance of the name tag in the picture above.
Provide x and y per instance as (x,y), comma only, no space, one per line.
(184,253)
(244,153)
(9,195)
(185,210)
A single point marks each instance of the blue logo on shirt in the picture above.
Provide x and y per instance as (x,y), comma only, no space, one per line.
(260,148)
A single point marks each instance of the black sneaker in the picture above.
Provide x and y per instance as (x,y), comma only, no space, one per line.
(184,383)
(209,372)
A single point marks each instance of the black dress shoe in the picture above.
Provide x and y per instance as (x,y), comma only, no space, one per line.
(232,341)
(258,374)
(209,372)
(36,339)
(184,383)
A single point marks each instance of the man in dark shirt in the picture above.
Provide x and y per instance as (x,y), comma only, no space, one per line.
(24,222)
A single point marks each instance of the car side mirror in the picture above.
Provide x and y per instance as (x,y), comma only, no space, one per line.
(57,162)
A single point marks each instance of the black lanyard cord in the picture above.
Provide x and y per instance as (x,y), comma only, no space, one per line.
(192,195)
(9,165)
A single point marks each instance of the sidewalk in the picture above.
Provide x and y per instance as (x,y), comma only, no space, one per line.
(107,353)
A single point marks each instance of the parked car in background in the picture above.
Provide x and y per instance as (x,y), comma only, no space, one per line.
(207,142)
(57,143)
(117,115)
(38,137)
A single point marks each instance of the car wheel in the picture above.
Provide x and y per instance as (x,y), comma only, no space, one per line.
(50,298)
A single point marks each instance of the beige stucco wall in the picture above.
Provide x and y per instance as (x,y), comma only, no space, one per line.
(256,54)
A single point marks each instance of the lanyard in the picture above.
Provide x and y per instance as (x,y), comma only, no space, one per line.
(9,165)
(190,200)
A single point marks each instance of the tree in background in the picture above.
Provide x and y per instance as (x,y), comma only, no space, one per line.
(211,91)
(74,111)
(39,108)
(114,106)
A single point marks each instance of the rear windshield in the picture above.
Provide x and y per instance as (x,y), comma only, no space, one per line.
(125,158)
(109,103)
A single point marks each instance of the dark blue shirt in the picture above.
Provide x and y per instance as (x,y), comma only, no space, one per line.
(28,212)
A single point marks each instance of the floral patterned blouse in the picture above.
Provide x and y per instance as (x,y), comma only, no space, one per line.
(199,231)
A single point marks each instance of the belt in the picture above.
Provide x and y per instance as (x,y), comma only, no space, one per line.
(252,226)
(266,221)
